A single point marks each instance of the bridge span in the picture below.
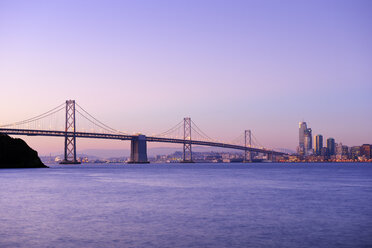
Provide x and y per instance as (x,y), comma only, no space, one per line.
(138,142)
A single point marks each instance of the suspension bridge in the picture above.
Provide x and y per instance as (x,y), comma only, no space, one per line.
(79,123)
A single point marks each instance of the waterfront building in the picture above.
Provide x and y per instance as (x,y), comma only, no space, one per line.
(345,152)
(318,145)
(308,142)
(338,149)
(331,146)
(342,151)
(301,143)
(324,152)
(355,152)
(366,151)
(305,145)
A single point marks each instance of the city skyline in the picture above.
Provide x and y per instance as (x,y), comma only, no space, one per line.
(142,67)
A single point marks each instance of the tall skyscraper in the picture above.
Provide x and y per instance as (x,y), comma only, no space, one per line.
(305,139)
(331,146)
(308,142)
(318,144)
(301,143)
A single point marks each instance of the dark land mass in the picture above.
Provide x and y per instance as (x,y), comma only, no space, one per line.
(15,153)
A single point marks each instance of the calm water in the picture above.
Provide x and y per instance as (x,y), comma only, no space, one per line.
(199,205)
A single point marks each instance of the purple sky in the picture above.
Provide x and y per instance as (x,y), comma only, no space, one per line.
(141,66)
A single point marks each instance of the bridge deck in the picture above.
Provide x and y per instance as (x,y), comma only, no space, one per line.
(29,132)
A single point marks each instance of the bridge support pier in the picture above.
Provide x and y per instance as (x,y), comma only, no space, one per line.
(138,150)
(274,158)
(247,156)
(271,157)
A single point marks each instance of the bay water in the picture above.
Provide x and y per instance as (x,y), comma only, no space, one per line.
(187,205)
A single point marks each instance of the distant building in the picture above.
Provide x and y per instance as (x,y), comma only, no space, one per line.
(339,150)
(301,136)
(305,140)
(318,145)
(331,146)
(324,152)
(345,152)
(355,152)
(308,142)
(342,152)
(366,151)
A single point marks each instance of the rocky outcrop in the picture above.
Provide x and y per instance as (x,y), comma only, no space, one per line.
(15,153)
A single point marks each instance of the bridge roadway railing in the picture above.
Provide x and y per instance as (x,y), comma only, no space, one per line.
(215,144)
(132,138)
(29,132)
(63,134)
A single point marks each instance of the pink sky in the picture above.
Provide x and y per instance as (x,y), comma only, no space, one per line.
(230,66)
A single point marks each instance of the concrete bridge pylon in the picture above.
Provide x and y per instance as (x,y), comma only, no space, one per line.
(138,150)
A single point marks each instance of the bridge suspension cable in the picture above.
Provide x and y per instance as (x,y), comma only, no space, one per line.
(97,122)
(36,118)
(187,132)
(54,119)
(172,130)
(255,141)
(177,131)
(201,133)
(238,140)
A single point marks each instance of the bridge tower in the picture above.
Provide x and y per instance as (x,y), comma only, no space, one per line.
(187,152)
(70,139)
(247,143)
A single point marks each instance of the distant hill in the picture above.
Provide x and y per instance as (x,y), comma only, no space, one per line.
(285,150)
(112,153)
(151,152)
